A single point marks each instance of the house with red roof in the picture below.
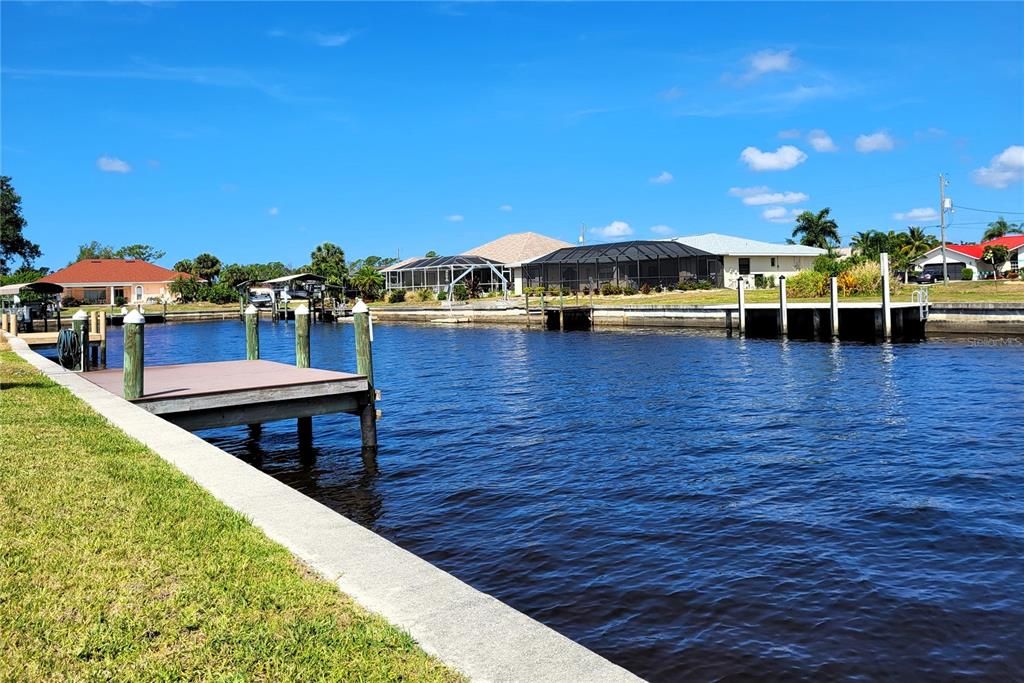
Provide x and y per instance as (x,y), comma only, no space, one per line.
(109,281)
(960,256)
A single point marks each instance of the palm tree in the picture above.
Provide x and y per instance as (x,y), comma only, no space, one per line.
(1000,228)
(817,230)
(915,241)
(369,281)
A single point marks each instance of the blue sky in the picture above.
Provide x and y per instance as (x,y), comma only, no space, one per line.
(257,130)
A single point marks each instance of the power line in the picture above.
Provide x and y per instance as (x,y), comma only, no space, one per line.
(968,208)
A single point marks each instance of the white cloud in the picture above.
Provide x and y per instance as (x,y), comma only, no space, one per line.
(821,141)
(113,165)
(768,61)
(875,142)
(759,196)
(782,159)
(314,37)
(273,211)
(330,39)
(923,214)
(505,207)
(661,230)
(790,134)
(1006,168)
(672,94)
(779,214)
(613,229)
(455,218)
(663,178)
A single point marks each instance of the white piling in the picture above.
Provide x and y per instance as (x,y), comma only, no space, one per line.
(742,306)
(886,303)
(834,306)
(783,314)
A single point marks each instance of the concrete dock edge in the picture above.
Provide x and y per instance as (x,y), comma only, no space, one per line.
(466,629)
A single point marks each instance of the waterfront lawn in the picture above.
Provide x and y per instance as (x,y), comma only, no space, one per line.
(115,566)
(954,292)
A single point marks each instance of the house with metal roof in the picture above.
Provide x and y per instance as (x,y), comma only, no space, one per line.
(960,256)
(753,260)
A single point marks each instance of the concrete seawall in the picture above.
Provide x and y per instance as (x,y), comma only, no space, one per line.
(466,629)
(977,318)
(967,318)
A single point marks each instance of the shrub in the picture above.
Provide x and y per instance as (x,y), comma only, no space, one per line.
(629,289)
(425,295)
(396,296)
(610,289)
(120,301)
(967,274)
(658,289)
(864,278)
(670,287)
(830,265)
(460,292)
(807,284)
(645,288)
(68,301)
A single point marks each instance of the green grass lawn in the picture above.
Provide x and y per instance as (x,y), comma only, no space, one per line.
(115,566)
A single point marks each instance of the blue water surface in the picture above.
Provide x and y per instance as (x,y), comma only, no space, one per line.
(689,505)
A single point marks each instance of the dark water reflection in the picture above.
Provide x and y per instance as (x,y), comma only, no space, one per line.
(690,506)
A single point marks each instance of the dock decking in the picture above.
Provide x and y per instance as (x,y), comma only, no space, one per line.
(226,393)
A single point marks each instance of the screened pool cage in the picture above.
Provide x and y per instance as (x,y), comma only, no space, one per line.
(640,262)
(441,273)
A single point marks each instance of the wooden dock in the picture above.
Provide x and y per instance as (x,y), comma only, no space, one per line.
(227,393)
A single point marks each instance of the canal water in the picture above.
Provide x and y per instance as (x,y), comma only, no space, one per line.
(691,506)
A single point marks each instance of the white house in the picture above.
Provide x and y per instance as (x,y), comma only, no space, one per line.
(750,258)
(960,256)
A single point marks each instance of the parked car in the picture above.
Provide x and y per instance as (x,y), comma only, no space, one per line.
(923,278)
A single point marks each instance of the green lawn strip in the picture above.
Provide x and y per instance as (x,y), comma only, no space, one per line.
(114,565)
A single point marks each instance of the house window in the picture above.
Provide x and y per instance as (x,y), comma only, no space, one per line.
(744,266)
(138,292)
(773,261)
(118,294)
(94,296)
(1014,261)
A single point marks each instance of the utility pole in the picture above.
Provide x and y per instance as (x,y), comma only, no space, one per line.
(942,224)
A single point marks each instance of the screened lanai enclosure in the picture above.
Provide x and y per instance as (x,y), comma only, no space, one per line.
(640,262)
(441,272)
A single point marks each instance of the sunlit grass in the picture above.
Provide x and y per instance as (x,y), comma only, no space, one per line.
(115,566)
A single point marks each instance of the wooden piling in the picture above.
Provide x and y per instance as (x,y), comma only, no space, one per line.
(527,294)
(80,325)
(741,305)
(103,338)
(134,354)
(834,307)
(886,303)
(364,366)
(252,333)
(302,336)
(783,313)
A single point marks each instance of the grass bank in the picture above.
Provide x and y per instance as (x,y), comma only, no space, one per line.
(115,566)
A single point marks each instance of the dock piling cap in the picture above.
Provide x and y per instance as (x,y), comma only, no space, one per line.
(81,315)
(360,307)
(302,310)
(134,318)
(251,310)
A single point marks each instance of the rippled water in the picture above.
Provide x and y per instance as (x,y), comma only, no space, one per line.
(690,506)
